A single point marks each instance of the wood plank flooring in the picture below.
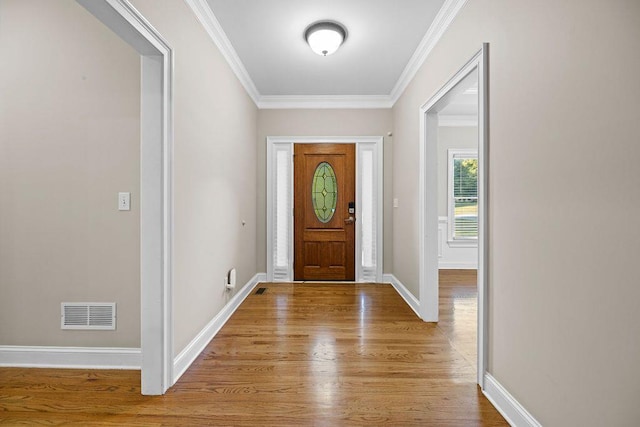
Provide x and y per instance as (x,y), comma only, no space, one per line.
(303,355)
(458,311)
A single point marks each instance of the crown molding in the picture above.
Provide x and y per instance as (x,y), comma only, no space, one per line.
(443,19)
(267,102)
(213,28)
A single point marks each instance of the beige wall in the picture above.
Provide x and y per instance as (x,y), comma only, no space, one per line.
(69,127)
(564,131)
(450,137)
(214,171)
(323,123)
(563,294)
(69,142)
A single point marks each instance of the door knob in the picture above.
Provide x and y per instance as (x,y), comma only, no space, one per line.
(349,220)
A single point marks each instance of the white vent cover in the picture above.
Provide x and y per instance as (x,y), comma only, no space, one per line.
(89,315)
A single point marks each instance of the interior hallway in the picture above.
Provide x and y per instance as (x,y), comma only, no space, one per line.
(303,354)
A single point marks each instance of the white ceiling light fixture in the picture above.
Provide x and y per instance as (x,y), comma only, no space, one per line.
(325,37)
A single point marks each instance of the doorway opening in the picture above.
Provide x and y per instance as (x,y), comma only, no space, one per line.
(454,203)
(368,205)
(458,218)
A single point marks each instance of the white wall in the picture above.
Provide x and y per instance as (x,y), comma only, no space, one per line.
(69,142)
(311,122)
(452,255)
(564,113)
(214,171)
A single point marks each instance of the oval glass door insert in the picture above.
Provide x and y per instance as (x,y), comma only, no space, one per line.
(324,192)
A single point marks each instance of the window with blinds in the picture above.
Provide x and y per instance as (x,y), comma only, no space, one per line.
(463,195)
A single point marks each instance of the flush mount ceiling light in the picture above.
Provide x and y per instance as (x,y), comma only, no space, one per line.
(325,37)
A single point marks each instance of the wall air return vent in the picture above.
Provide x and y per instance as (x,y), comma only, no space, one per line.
(89,315)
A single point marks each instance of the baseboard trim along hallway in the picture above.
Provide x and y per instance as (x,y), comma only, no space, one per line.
(411,300)
(130,358)
(507,405)
(186,357)
(70,357)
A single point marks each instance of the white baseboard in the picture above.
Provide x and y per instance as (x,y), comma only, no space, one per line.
(70,357)
(186,357)
(411,300)
(512,411)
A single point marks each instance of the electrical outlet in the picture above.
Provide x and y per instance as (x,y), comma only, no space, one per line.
(124,201)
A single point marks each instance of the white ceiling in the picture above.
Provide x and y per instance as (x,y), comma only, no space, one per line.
(464,104)
(267,36)
(461,107)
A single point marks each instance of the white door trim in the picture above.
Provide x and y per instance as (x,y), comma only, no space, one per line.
(428,212)
(156,208)
(373,143)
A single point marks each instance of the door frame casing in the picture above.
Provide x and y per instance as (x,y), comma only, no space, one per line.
(156,186)
(428,211)
(373,143)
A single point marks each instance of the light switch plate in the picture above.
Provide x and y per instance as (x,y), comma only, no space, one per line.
(395,203)
(124,201)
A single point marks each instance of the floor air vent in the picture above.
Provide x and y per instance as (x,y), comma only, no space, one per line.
(260,291)
(89,315)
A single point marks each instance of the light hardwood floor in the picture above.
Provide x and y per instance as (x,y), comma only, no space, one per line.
(303,355)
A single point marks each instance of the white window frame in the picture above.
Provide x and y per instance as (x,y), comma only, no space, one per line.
(452,154)
(373,144)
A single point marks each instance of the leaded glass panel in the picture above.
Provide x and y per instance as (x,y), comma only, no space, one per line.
(324,192)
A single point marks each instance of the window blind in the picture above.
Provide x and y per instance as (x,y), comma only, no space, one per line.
(465,197)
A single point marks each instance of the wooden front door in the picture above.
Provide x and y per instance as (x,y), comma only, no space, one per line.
(324,230)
